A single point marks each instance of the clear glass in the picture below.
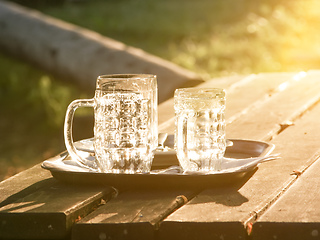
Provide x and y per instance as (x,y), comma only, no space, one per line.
(200,138)
(125,129)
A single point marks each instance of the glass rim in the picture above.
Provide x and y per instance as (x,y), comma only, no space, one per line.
(196,91)
(122,76)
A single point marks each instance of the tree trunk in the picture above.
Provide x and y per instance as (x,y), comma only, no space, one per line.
(80,55)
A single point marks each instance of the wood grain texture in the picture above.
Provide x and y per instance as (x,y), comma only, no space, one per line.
(132,215)
(264,119)
(296,215)
(214,208)
(49,213)
(242,94)
(24,183)
(166,109)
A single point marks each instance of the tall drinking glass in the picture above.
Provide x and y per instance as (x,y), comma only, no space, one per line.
(125,128)
(200,140)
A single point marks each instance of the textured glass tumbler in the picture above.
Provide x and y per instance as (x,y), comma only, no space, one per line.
(200,140)
(125,128)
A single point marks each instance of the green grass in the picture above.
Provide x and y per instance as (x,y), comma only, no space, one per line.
(33,106)
(212,38)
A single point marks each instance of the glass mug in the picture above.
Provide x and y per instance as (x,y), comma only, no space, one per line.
(200,139)
(125,126)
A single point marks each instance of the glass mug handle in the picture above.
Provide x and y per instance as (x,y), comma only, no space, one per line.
(68,129)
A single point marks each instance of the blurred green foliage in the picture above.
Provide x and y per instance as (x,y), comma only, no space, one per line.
(33,106)
(212,38)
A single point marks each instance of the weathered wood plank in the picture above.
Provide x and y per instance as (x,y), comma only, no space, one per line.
(132,215)
(254,90)
(246,91)
(24,183)
(50,212)
(232,211)
(166,110)
(296,215)
(77,54)
(279,175)
(266,118)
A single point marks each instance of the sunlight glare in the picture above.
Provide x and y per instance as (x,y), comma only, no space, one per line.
(299,76)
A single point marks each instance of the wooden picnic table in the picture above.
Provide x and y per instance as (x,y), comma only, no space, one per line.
(279,200)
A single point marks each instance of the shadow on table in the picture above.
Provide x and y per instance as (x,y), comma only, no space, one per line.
(26,191)
(227,195)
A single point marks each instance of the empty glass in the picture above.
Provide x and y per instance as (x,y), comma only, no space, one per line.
(200,139)
(125,128)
